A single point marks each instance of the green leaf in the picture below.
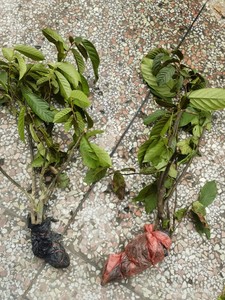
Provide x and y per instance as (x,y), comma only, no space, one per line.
(94,175)
(33,133)
(184,147)
(152,53)
(93,55)
(63,181)
(93,133)
(162,126)
(208,99)
(180,214)
(80,99)
(208,193)
(22,65)
(148,195)
(79,61)
(165,75)
(64,85)
(154,116)
(160,91)
(186,118)
(80,122)
(68,124)
(21,123)
(142,151)
(38,162)
(84,85)
(118,185)
(69,71)
(103,156)
(39,106)
(53,37)
(4,80)
(8,53)
(30,52)
(93,155)
(59,115)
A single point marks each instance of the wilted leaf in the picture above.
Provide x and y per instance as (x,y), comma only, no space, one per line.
(93,55)
(148,195)
(30,52)
(94,175)
(208,99)
(21,64)
(118,185)
(165,75)
(208,193)
(63,181)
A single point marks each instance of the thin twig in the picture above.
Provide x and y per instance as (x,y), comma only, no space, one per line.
(33,175)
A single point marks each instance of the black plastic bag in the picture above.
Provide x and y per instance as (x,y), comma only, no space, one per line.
(46,244)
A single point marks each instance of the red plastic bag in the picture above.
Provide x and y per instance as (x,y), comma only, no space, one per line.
(143,251)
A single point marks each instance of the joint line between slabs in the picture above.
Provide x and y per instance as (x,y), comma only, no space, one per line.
(192,24)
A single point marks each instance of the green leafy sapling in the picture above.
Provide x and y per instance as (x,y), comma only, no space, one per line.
(48,98)
(185,112)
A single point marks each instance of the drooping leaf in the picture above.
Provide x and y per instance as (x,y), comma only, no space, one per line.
(4,80)
(79,61)
(160,91)
(39,106)
(186,118)
(208,193)
(148,195)
(38,161)
(94,175)
(184,147)
(21,64)
(162,126)
(80,47)
(33,133)
(93,55)
(119,185)
(84,85)
(30,52)
(68,124)
(69,72)
(21,123)
(88,155)
(142,151)
(80,122)
(93,133)
(59,115)
(53,37)
(154,116)
(165,75)
(103,156)
(64,85)
(178,53)
(8,53)
(80,99)
(208,99)
(201,224)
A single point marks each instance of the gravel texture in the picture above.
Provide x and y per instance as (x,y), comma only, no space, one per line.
(95,223)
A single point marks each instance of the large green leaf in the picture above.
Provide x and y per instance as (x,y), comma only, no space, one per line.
(30,52)
(80,99)
(94,175)
(208,193)
(64,85)
(21,123)
(69,72)
(142,151)
(208,99)
(93,55)
(160,91)
(79,60)
(38,105)
(103,156)
(148,195)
